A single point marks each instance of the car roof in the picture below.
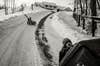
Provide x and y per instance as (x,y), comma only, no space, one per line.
(92,45)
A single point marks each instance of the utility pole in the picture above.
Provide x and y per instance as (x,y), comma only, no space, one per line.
(6,6)
(13,6)
(86,6)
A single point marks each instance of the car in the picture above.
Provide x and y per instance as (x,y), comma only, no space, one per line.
(83,53)
(68,9)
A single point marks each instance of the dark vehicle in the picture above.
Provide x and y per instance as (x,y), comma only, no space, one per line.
(49,6)
(84,53)
(68,9)
(30,21)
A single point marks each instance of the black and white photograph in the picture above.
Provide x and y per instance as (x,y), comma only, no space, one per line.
(49,32)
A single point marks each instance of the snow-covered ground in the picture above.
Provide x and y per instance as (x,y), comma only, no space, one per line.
(3,16)
(56,30)
(17,42)
(67,27)
(61,29)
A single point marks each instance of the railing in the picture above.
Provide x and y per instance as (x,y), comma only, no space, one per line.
(82,19)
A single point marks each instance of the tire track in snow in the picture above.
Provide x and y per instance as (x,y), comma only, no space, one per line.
(9,42)
(42,42)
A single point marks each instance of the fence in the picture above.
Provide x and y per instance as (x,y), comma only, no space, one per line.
(85,10)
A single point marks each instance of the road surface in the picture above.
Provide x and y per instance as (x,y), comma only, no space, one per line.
(17,39)
(17,45)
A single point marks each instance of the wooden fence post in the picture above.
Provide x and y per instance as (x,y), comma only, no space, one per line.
(79,18)
(83,23)
(93,13)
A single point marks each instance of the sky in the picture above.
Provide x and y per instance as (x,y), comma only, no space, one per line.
(58,2)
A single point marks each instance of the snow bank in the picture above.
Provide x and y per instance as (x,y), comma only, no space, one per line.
(65,31)
(61,29)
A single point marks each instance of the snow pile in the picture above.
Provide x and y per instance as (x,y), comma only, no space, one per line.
(61,29)
(65,31)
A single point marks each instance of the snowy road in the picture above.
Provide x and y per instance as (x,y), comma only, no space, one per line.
(17,39)
(17,45)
